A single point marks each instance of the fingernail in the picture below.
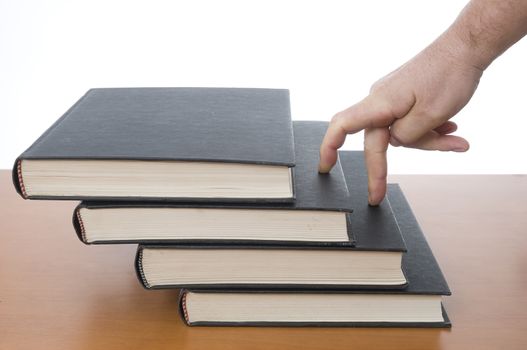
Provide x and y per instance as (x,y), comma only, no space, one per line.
(460,149)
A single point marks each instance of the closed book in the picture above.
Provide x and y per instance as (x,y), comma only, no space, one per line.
(318,216)
(418,305)
(374,261)
(165,144)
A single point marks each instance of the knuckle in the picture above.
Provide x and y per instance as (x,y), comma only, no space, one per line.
(383,107)
(338,120)
(377,86)
(385,112)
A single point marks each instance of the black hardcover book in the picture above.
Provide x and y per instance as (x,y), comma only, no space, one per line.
(418,305)
(373,262)
(165,144)
(317,217)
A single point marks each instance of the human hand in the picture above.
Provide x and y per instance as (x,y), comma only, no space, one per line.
(409,107)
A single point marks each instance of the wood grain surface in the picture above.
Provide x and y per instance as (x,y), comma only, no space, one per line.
(56,293)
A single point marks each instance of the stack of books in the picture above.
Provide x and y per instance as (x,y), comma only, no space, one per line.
(220,190)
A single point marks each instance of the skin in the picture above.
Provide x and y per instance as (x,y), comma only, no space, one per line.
(411,106)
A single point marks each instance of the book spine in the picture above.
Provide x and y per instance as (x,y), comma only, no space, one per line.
(18,180)
(183,311)
(17,168)
(139,268)
(78,224)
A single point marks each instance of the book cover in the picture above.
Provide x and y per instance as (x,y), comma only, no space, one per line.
(226,125)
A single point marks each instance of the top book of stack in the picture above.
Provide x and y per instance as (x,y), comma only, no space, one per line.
(182,144)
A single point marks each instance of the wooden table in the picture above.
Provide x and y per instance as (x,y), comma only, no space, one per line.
(58,293)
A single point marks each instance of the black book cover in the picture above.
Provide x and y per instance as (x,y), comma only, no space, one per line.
(237,125)
(313,192)
(421,268)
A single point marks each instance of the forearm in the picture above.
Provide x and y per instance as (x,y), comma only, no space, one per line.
(487,28)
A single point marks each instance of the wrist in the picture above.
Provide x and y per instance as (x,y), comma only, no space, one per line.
(468,48)
(453,46)
(487,28)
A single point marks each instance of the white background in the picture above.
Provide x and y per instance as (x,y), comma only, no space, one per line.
(327,53)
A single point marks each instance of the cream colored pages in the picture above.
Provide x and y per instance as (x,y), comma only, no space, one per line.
(213,223)
(123,178)
(302,307)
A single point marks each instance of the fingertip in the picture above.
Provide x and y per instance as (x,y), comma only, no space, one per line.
(371,203)
(376,191)
(324,168)
(462,145)
(375,198)
(326,164)
(328,158)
